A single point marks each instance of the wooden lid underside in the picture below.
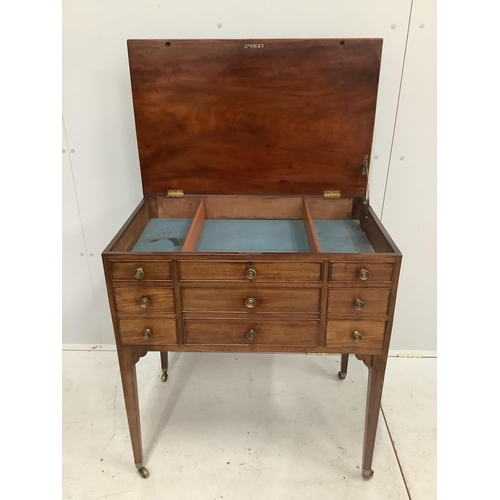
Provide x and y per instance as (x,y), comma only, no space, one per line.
(254,117)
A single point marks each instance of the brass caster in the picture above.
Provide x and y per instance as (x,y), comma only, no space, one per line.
(342,375)
(143,472)
(164,376)
(367,473)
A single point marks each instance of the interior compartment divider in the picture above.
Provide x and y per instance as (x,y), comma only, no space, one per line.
(195,230)
(312,237)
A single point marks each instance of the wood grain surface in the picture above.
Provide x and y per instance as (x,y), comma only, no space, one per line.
(341,301)
(268,300)
(289,117)
(127,300)
(264,271)
(339,333)
(163,331)
(279,333)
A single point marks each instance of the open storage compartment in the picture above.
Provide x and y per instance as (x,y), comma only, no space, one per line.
(227,224)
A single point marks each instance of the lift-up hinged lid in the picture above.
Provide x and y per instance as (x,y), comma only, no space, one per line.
(255,117)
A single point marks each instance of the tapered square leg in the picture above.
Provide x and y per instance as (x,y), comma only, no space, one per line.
(376,374)
(343,366)
(131,395)
(164,366)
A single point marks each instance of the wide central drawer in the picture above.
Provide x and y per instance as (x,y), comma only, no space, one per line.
(251,299)
(252,332)
(250,271)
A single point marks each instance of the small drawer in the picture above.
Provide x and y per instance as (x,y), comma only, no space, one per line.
(144,300)
(157,331)
(249,299)
(263,332)
(250,272)
(355,334)
(149,270)
(358,301)
(362,272)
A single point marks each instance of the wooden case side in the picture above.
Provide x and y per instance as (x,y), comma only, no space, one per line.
(377,235)
(134,226)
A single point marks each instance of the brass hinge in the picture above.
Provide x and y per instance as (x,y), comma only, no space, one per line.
(364,167)
(331,194)
(175,193)
(409,355)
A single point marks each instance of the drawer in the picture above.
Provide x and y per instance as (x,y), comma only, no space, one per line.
(144,300)
(252,332)
(251,300)
(149,270)
(257,272)
(362,272)
(342,333)
(135,331)
(359,301)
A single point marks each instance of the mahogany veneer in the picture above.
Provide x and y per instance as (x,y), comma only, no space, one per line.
(256,134)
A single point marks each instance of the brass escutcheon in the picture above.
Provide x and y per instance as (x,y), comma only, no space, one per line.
(250,303)
(144,302)
(364,274)
(358,304)
(146,333)
(356,336)
(251,335)
(251,273)
(139,273)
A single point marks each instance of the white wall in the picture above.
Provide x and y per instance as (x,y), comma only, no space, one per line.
(101,171)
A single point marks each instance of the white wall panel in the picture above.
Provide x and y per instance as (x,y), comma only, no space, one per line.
(97,104)
(79,319)
(409,211)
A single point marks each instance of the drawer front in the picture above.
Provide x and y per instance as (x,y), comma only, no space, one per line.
(135,331)
(345,333)
(252,332)
(362,272)
(250,300)
(149,270)
(144,300)
(358,301)
(257,272)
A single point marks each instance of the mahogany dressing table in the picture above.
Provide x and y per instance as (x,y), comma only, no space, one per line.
(255,233)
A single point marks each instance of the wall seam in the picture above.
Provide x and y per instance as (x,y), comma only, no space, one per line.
(81,226)
(397,113)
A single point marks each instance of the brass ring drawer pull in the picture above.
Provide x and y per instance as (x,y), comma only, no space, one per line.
(144,302)
(359,304)
(364,274)
(250,303)
(139,273)
(251,273)
(251,335)
(356,336)
(146,333)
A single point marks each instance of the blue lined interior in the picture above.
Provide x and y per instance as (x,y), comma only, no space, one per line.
(341,236)
(253,236)
(163,235)
(244,235)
